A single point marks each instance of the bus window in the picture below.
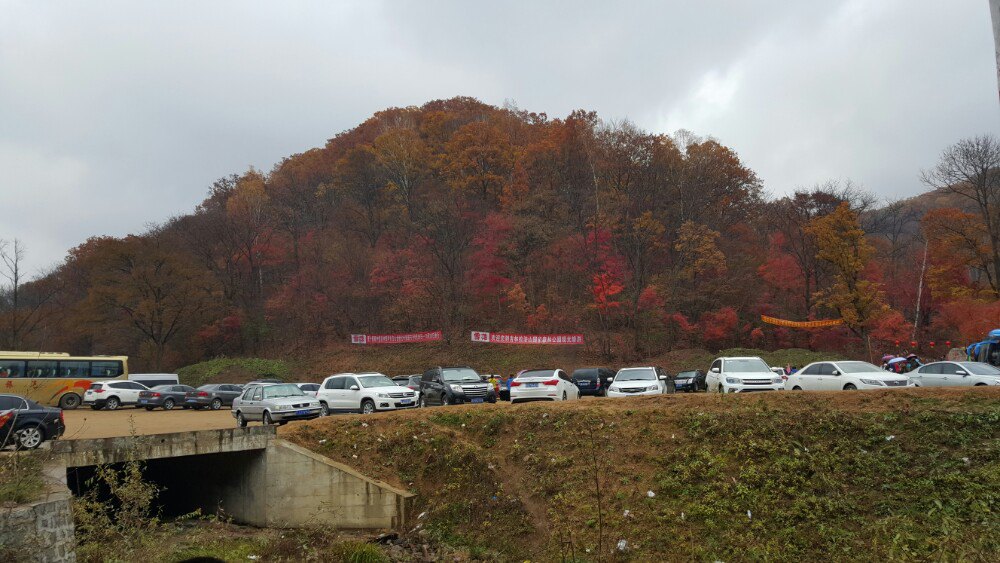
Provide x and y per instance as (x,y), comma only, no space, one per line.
(41,368)
(74,369)
(11,368)
(105,369)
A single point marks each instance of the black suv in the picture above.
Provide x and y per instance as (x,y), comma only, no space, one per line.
(454,386)
(690,381)
(592,381)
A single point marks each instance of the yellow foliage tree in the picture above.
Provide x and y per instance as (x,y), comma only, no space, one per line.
(842,245)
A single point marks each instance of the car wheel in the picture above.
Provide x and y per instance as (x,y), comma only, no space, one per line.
(446,400)
(421,402)
(976,385)
(216,404)
(564,396)
(267,419)
(367,406)
(324,409)
(95,407)
(149,408)
(29,437)
(168,404)
(69,401)
(850,387)
(112,404)
(241,422)
(796,388)
(721,389)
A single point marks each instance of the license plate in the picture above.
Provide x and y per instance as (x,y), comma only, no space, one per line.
(531,385)
(302,412)
(142,401)
(405,401)
(477,400)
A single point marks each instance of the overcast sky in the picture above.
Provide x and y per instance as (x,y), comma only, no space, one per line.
(119,116)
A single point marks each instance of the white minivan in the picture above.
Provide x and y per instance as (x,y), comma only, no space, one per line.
(742,375)
(364,393)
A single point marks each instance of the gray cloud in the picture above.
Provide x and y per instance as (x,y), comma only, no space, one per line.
(115,118)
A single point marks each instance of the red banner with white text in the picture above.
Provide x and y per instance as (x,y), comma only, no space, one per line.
(396,338)
(499,338)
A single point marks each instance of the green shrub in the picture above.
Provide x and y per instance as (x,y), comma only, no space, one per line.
(238,370)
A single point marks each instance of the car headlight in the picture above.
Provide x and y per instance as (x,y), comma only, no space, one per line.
(732,381)
(456,388)
(383,395)
(875,382)
(652,388)
(613,388)
(778,379)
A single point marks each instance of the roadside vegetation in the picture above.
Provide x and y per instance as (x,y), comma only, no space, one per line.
(911,475)
(233,369)
(21,477)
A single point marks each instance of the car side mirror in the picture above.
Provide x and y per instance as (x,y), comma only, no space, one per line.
(715,370)
(610,379)
(354,387)
(961,372)
(835,372)
(663,378)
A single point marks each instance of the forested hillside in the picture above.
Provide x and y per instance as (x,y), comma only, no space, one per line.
(457,215)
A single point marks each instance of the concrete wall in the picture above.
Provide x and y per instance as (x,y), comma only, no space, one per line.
(80,453)
(40,531)
(303,488)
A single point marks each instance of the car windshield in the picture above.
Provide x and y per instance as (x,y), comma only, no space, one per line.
(857,367)
(536,373)
(375,381)
(282,390)
(636,374)
(979,368)
(456,375)
(587,374)
(747,365)
(686,375)
(208,388)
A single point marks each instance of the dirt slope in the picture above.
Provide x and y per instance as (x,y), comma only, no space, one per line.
(912,474)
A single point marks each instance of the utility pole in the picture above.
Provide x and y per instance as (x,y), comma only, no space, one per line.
(995,15)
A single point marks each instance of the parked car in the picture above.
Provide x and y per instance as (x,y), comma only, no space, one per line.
(593,381)
(690,381)
(629,382)
(274,403)
(411,382)
(779,372)
(955,374)
(543,385)
(26,424)
(365,393)
(742,375)
(309,388)
(112,394)
(165,396)
(846,375)
(266,380)
(212,395)
(453,386)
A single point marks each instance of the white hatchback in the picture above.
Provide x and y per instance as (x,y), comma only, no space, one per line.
(632,382)
(543,385)
(843,375)
(364,393)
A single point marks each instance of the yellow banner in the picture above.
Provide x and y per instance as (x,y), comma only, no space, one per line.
(801,324)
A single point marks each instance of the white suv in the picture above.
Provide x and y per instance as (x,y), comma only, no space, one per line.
(112,394)
(631,382)
(742,375)
(364,393)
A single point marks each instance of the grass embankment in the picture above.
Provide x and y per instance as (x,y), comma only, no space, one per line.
(411,359)
(901,474)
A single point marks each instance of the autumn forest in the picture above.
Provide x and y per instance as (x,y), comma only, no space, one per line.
(459,216)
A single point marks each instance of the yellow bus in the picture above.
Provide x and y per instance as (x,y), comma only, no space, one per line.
(56,379)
